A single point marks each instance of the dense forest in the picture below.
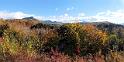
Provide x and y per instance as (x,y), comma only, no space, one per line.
(31,40)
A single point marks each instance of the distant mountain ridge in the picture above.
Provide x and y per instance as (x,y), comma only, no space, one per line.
(110,28)
(30,18)
(51,22)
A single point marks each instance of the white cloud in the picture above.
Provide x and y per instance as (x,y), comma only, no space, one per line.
(81,14)
(15,15)
(65,18)
(69,9)
(19,15)
(66,14)
(111,16)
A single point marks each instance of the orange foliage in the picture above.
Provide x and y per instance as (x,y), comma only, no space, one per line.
(93,34)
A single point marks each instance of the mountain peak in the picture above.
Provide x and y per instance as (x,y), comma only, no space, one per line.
(29,18)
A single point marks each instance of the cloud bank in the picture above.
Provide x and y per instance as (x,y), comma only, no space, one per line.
(14,15)
(111,16)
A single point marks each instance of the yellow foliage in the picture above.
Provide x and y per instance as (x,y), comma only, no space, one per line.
(93,34)
(2,22)
(89,32)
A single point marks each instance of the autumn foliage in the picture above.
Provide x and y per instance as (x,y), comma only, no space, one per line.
(23,40)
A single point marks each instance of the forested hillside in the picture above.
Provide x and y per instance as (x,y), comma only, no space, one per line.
(31,40)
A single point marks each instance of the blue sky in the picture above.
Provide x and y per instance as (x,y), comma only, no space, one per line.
(56,8)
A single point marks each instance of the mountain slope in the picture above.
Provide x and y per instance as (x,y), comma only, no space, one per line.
(110,28)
